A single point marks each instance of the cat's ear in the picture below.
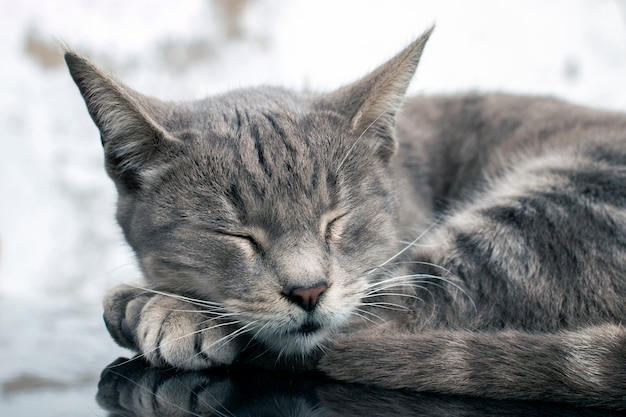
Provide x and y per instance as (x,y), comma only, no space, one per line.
(132,139)
(372,103)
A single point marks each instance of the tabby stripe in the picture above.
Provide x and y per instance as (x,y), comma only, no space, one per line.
(607,187)
(275,125)
(256,137)
(238,120)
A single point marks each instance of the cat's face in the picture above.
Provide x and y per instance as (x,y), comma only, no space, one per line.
(261,199)
(274,205)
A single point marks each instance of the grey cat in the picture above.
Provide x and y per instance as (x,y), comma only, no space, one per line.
(471,244)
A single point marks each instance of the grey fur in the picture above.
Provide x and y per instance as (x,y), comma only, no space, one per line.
(240,205)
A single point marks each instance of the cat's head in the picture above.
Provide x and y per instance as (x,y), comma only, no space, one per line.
(274,204)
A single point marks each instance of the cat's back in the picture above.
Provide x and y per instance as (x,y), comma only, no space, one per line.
(456,142)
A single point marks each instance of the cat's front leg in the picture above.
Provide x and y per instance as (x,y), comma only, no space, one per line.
(168,330)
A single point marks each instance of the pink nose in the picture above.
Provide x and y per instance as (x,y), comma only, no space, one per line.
(307,298)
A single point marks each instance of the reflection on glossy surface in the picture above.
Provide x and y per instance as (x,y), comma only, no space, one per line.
(132,388)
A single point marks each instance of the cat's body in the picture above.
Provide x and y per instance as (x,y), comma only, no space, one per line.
(487,257)
(529,197)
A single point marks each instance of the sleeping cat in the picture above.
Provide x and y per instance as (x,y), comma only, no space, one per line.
(471,244)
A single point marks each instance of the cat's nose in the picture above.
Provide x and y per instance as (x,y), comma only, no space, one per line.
(306,298)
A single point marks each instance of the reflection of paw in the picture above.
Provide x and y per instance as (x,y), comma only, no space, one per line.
(168,331)
(131,388)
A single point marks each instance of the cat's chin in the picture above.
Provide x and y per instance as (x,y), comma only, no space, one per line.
(299,341)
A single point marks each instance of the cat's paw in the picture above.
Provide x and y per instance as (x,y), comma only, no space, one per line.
(168,331)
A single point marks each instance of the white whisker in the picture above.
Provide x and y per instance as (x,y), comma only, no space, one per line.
(407,247)
(359,313)
(419,278)
(393,295)
(225,339)
(195,301)
(447,271)
(387,305)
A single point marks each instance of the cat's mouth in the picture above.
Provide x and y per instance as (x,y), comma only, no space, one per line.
(308,328)
(301,338)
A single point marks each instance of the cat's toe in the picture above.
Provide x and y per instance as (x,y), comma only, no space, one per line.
(121,310)
(172,333)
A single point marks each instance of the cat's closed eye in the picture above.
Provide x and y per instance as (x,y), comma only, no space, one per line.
(334,228)
(253,244)
(249,243)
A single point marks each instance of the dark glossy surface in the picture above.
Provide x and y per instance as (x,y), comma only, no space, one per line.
(131,388)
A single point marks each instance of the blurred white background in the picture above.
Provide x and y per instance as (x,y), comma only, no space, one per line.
(60,248)
(57,229)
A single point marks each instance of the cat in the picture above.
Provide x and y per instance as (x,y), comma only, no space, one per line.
(469,244)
